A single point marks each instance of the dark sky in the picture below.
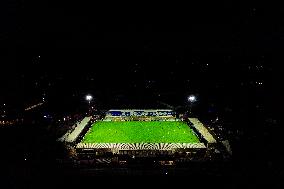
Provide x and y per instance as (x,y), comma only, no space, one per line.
(101,41)
(216,27)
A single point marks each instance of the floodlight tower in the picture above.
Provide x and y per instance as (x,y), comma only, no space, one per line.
(89,98)
(191,99)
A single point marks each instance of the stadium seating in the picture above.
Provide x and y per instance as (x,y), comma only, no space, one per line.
(140,146)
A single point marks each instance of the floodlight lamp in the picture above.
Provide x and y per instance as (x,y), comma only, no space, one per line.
(89,97)
(191,98)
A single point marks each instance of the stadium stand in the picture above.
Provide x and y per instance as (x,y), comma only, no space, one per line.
(141,146)
(71,137)
(140,112)
(202,130)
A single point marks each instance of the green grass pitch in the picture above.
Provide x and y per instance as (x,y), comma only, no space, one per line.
(140,132)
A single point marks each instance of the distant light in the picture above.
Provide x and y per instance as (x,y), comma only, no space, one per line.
(25,159)
(45,116)
(207,64)
(191,98)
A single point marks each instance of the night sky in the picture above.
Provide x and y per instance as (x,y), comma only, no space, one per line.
(78,48)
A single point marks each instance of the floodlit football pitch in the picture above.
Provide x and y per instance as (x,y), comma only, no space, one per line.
(140,132)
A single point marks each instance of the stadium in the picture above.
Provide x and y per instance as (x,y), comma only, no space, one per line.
(123,134)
